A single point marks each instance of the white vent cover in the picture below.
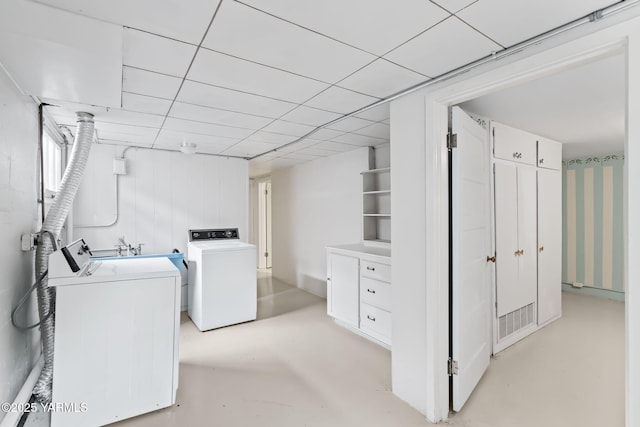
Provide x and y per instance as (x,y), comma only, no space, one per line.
(516,320)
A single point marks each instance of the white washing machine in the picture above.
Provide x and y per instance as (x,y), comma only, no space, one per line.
(222,279)
(116,336)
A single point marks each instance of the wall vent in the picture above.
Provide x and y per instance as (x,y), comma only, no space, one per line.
(516,320)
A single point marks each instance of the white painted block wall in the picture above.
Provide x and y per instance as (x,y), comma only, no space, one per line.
(18,214)
(162,196)
(315,204)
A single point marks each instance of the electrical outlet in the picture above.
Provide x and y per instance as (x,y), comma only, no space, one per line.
(27,241)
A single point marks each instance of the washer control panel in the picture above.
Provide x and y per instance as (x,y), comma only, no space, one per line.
(213,234)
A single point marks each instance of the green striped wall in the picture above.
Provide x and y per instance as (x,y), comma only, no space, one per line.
(592,223)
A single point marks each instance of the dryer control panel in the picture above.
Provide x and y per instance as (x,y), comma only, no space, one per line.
(214,234)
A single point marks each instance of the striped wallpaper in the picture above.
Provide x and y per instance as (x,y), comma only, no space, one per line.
(592,247)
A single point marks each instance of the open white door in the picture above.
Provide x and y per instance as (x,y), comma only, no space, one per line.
(471,246)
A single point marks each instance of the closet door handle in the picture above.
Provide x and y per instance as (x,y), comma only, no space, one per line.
(373,319)
(371,291)
(491,258)
(371,268)
(541,249)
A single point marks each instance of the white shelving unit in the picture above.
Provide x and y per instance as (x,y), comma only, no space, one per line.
(376,207)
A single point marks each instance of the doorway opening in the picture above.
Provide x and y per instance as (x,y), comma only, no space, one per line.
(590,122)
(264,223)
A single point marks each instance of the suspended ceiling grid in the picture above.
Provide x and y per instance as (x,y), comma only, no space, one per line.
(242,78)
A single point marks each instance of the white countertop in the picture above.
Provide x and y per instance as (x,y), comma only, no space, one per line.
(363,249)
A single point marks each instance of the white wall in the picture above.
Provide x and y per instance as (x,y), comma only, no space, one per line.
(18,214)
(162,196)
(315,204)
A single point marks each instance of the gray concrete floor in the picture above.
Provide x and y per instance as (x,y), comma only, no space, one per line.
(295,367)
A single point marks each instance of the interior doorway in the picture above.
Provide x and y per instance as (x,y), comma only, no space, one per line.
(603,137)
(264,223)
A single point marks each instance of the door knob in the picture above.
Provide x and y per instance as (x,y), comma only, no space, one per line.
(541,249)
(491,258)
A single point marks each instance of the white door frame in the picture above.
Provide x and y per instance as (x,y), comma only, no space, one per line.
(545,59)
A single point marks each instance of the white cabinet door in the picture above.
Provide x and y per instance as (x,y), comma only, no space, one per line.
(527,236)
(506,218)
(471,274)
(516,238)
(549,154)
(513,144)
(549,245)
(343,299)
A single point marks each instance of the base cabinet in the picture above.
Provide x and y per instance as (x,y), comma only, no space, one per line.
(359,289)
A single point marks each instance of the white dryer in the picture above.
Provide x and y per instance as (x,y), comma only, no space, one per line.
(222,279)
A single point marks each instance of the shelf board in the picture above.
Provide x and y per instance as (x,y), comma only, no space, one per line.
(378,215)
(379,170)
(377,192)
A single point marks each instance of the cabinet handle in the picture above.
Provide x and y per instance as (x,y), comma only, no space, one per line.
(491,258)
(541,249)
(373,319)
(328,279)
(371,268)
(541,161)
(521,251)
(517,253)
(371,291)
(517,155)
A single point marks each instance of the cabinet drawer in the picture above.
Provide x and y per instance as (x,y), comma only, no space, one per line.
(514,145)
(376,293)
(375,270)
(375,322)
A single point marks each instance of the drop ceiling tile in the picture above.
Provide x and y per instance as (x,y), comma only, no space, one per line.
(271,138)
(227,71)
(362,140)
(326,134)
(340,100)
(145,132)
(313,151)
(377,130)
(454,6)
(146,140)
(125,143)
(375,26)
(226,99)
(155,53)
(182,110)
(288,128)
(168,137)
(205,128)
(104,114)
(299,156)
(170,19)
(514,21)
(335,146)
(350,124)
(376,114)
(445,47)
(247,33)
(249,149)
(300,145)
(310,116)
(145,104)
(382,79)
(147,83)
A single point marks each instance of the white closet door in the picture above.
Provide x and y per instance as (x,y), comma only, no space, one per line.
(549,245)
(343,296)
(506,217)
(471,244)
(527,236)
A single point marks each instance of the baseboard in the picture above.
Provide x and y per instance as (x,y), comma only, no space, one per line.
(596,292)
(11,419)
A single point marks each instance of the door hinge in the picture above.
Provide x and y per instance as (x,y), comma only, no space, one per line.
(452,141)
(452,367)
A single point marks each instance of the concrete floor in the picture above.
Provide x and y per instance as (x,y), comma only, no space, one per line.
(295,367)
